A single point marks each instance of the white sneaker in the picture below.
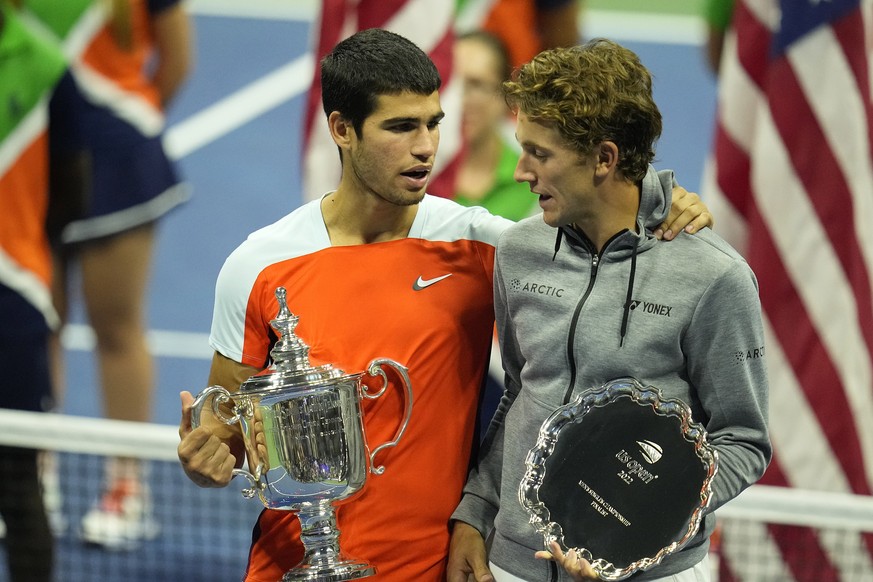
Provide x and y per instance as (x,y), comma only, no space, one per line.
(122,518)
(51,492)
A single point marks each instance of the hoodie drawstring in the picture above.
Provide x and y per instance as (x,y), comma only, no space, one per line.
(558,242)
(630,291)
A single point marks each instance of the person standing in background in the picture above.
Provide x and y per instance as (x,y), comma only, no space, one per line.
(130,57)
(37,95)
(526,27)
(717,14)
(486,168)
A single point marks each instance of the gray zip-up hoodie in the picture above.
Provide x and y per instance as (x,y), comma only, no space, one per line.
(682,315)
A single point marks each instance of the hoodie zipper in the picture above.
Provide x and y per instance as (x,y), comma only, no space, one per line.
(595,263)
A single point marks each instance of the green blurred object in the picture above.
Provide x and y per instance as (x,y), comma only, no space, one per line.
(718,13)
(685,7)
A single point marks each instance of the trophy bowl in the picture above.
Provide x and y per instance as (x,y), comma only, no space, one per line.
(621,475)
(305,445)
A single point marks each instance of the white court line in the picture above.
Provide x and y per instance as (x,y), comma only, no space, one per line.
(170,344)
(265,9)
(676,29)
(239,108)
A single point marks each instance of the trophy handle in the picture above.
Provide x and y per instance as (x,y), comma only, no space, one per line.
(247,492)
(222,396)
(375,369)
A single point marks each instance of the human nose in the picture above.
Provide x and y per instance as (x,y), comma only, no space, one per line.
(522,172)
(426,142)
(480,88)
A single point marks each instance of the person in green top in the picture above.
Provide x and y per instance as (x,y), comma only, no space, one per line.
(718,15)
(485,175)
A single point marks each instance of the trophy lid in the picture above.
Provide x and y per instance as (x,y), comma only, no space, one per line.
(291,367)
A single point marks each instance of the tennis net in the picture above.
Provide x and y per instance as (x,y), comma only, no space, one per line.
(768,534)
(202,534)
(777,534)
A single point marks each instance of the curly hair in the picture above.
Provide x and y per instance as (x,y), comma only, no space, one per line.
(596,92)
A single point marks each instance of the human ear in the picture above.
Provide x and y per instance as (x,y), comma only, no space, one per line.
(607,157)
(340,129)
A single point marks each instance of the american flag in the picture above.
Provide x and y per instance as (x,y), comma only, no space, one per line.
(427,23)
(791,185)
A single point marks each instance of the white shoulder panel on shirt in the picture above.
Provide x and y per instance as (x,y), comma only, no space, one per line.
(439,219)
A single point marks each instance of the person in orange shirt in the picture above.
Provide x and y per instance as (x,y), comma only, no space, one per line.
(525,26)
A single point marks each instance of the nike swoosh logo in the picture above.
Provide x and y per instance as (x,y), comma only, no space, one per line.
(422,283)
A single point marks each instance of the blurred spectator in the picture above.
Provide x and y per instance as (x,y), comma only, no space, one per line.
(485,175)
(525,26)
(486,168)
(129,67)
(37,94)
(718,19)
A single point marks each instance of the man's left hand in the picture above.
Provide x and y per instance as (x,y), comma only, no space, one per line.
(687,212)
(578,568)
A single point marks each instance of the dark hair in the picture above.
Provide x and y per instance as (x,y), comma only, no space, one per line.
(371,63)
(497,46)
(592,93)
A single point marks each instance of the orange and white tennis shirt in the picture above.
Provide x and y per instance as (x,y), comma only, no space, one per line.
(425,301)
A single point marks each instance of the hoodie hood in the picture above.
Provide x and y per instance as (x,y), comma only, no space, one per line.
(655,198)
(656,193)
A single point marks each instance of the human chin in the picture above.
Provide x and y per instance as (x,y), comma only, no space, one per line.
(552,219)
(405,197)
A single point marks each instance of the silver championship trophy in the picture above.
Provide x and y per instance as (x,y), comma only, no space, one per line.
(621,475)
(305,445)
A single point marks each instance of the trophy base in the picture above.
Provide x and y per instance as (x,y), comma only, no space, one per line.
(335,572)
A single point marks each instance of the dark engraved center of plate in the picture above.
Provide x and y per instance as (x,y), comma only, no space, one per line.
(622,482)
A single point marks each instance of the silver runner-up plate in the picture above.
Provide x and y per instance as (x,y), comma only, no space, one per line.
(621,475)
